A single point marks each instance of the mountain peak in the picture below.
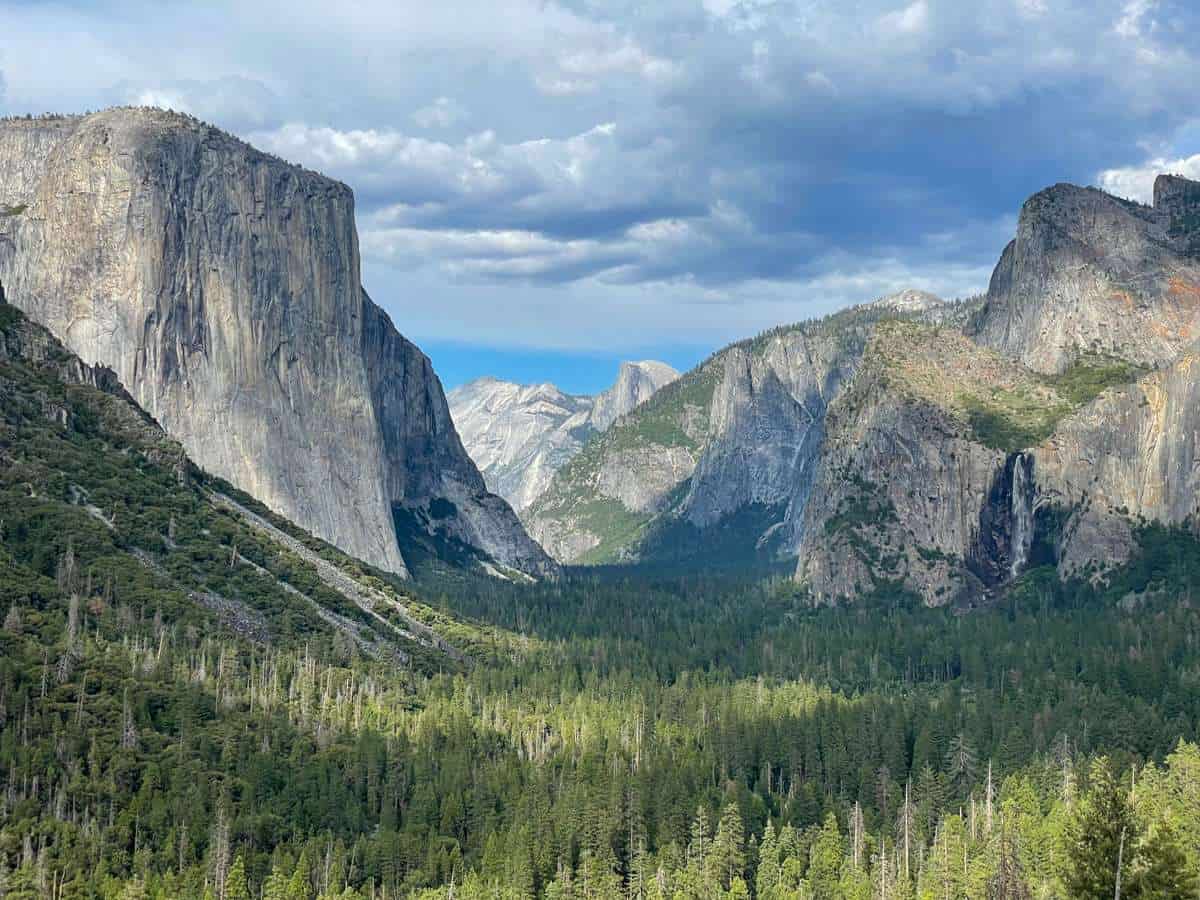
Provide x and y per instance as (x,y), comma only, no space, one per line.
(1089,273)
(909,300)
(636,382)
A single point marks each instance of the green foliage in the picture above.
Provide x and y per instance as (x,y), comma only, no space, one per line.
(12,211)
(676,416)
(615,526)
(1012,420)
(9,316)
(735,543)
(1102,837)
(1108,846)
(1002,428)
(1090,375)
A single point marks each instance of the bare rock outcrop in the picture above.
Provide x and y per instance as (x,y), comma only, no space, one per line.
(1089,273)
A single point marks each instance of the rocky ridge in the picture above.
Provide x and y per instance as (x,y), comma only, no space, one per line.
(736,436)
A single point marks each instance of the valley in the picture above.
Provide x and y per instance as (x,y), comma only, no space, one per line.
(898,602)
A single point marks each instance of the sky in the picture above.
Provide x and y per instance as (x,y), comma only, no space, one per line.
(546,187)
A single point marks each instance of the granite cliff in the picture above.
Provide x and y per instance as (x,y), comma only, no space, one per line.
(520,435)
(1089,273)
(221,286)
(721,457)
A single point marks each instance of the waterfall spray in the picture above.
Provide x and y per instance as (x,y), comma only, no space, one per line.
(1021,513)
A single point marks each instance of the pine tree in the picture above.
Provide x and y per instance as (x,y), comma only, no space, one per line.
(235,882)
(1162,867)
(825,860)
(1101,838)
(275,887)
(961,762)
(1008,882)
(769,869)
(728,858)
(299,885)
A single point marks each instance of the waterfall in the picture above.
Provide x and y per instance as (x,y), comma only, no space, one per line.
(1021,514)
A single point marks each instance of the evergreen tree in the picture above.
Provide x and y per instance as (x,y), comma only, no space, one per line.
(825,860)
(1101,839)
(235,882)
(728,860)
(1162,868)
(770,869)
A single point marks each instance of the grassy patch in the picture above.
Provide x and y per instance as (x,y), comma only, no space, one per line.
(1006,406)
(1013,420)
(7,212)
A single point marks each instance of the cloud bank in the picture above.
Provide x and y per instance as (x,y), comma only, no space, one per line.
(576,172)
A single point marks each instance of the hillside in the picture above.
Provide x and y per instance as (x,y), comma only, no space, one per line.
(101,508)
(712,464)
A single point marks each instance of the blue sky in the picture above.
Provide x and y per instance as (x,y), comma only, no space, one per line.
(545,187)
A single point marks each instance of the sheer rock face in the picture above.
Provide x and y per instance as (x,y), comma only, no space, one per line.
(222,286)
(1090,273)
(904,492)
(1133,452)
(766,426)
(520,435)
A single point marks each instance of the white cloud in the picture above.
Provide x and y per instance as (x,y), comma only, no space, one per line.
(441,113)
(1137,182)
(911,19)
(767,154)
(585,63)
(483,182)
(233,102)
(1129,25)
(162,99)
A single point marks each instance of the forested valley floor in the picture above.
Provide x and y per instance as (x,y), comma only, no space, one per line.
(687,738)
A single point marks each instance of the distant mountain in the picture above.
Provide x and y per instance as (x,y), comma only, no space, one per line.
(940,448)
(520,435)
(222,287)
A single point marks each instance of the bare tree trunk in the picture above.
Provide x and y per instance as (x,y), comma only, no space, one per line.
(1120,854)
